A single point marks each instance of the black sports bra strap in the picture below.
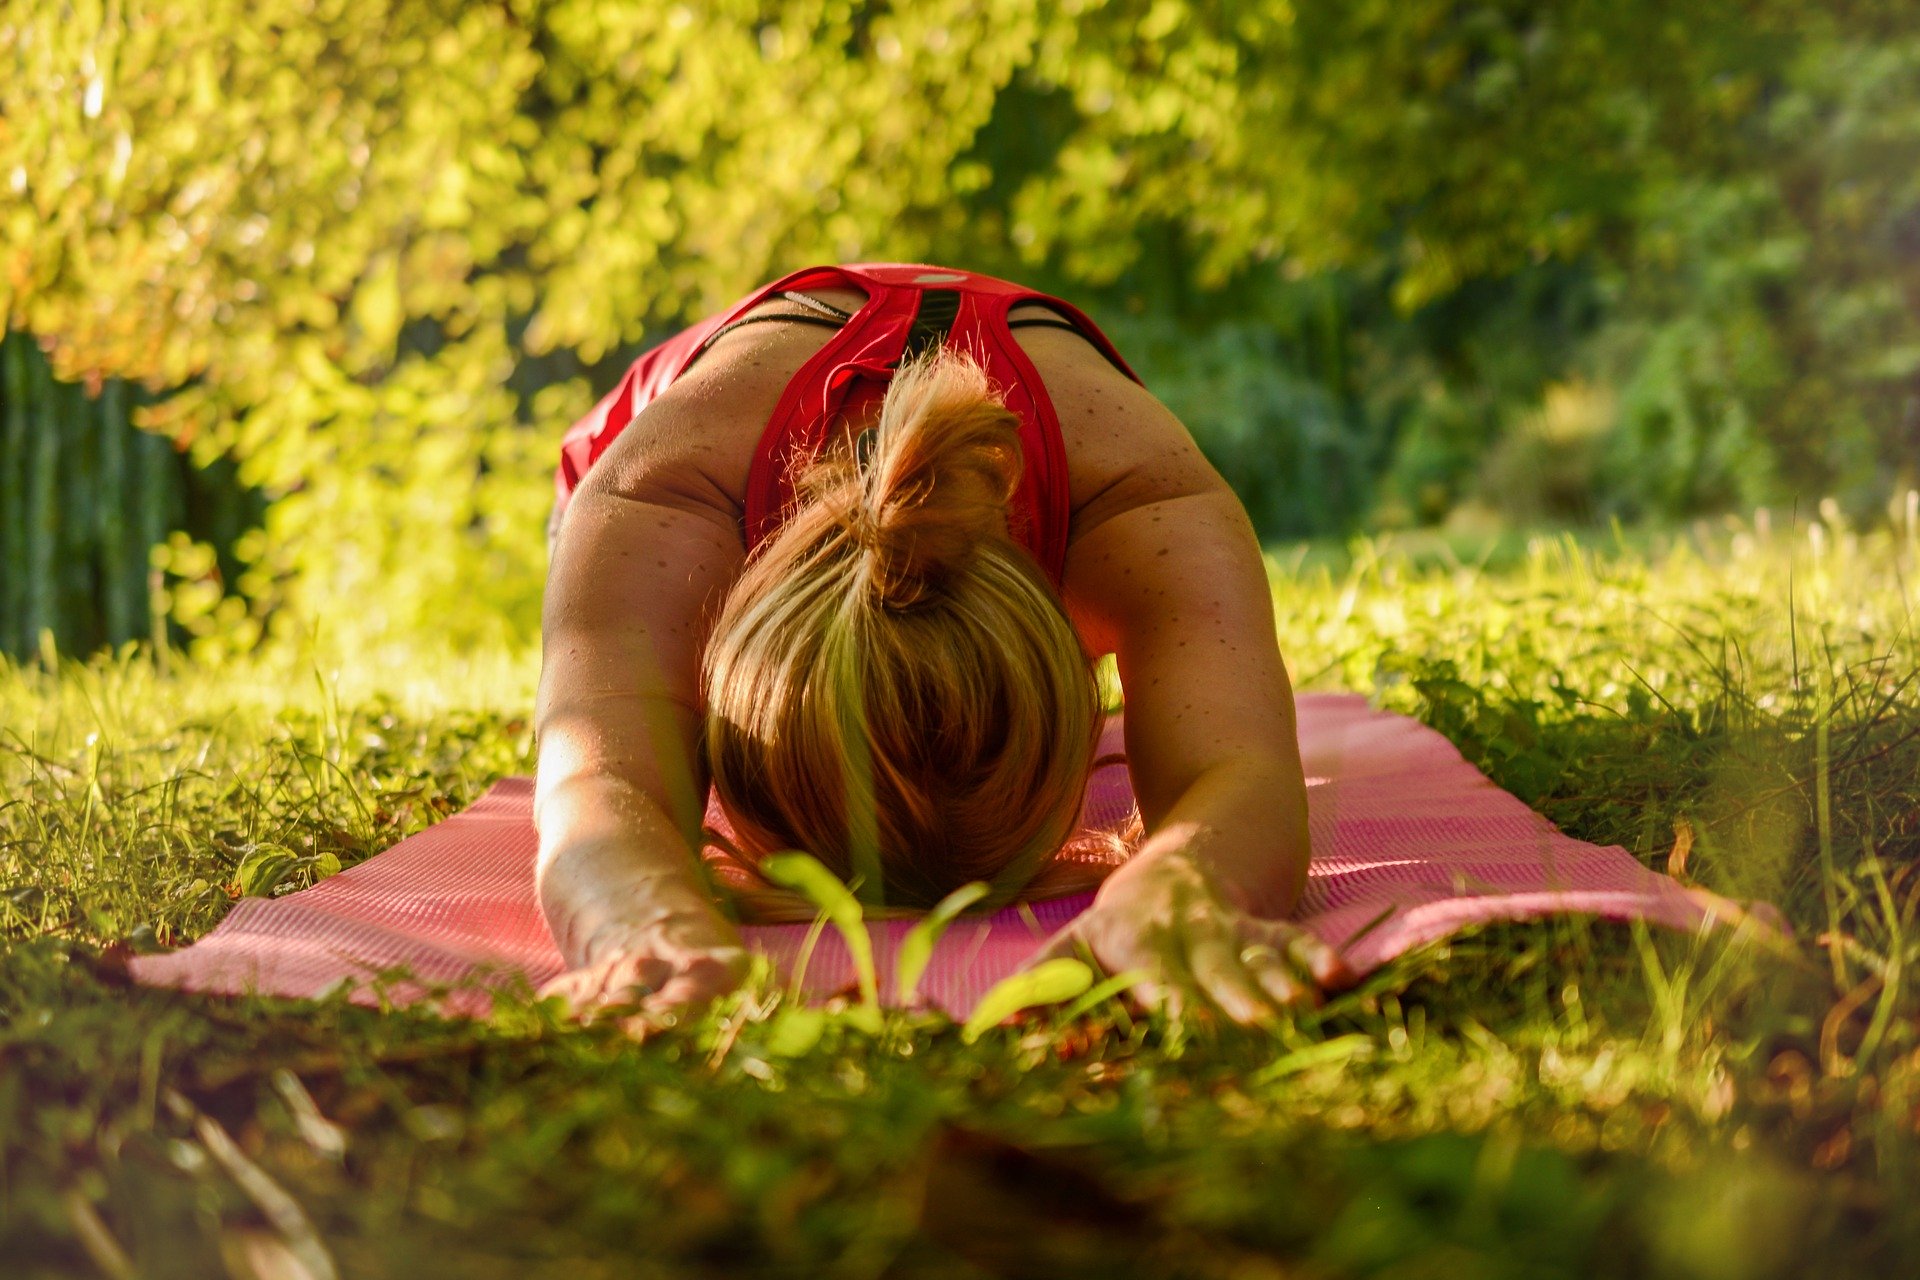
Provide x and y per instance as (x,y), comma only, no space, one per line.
(1055,321)
(784,317)
(1039,323)
(812,303)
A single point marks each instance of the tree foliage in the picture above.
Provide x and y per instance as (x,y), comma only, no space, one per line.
(384,249)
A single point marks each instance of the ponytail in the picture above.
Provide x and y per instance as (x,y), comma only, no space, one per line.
(943,466)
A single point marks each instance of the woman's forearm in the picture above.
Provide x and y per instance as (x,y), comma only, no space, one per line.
(616,804)
(619,796)
(1243,824)
(612,861)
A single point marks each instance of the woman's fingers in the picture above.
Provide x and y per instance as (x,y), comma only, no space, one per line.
(648,979)
(625,980)
(581,989)
(1292,965)
(1168,997)
(1315,956)
(701,979)
(1274,973)
(1248,968)
(1284,984)
(1224,978)
(698,981)
(569,987)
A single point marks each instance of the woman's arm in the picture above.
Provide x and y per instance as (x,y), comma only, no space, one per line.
(642,563)
(647,551)
(1178,591)
(1172,582)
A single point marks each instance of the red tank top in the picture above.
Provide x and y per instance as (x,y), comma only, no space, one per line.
(909,307)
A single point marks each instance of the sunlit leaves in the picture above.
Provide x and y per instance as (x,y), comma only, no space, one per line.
(366,234)
(205,178)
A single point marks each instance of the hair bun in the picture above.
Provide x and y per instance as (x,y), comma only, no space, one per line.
(943,466)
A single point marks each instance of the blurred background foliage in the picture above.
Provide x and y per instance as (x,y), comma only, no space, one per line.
(1397,262)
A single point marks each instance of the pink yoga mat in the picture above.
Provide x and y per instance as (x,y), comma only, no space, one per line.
(1408,838)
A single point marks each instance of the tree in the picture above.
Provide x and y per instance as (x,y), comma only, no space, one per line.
(385,249)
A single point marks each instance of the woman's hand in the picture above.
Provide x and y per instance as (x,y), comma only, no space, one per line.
(1164,918)
(680,954)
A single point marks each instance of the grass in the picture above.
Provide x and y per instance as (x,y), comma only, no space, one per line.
(1559,1099)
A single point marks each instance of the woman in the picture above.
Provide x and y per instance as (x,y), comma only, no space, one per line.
(848,550)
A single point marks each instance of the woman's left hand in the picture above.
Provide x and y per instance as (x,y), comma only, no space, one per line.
(1165,919)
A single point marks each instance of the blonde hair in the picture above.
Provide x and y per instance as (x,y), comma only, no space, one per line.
(893,685)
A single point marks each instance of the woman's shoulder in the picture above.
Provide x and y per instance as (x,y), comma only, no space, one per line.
(1124,448)
(698,436)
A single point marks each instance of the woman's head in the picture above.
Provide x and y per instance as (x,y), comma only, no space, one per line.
(892,685)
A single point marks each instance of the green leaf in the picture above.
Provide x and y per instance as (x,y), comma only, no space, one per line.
(261,871)
(916,949)
(863,1017)
(1326,1053)
(804,874)
(1105,991)
(377,307)
(1046,983)
(795,1032)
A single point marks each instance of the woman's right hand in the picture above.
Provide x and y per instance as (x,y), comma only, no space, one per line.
(679,955)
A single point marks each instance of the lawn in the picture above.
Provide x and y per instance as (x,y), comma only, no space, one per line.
(1734,702)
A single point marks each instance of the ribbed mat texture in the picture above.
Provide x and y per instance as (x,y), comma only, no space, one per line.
(1408,838)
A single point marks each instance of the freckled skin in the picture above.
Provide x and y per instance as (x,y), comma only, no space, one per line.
(1162,570)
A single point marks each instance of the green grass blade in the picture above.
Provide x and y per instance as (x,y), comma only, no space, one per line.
(798,984)
(916,949)
(1327,1053)
(1102,992)
(1047,983)
(795,1032)
(805,875)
